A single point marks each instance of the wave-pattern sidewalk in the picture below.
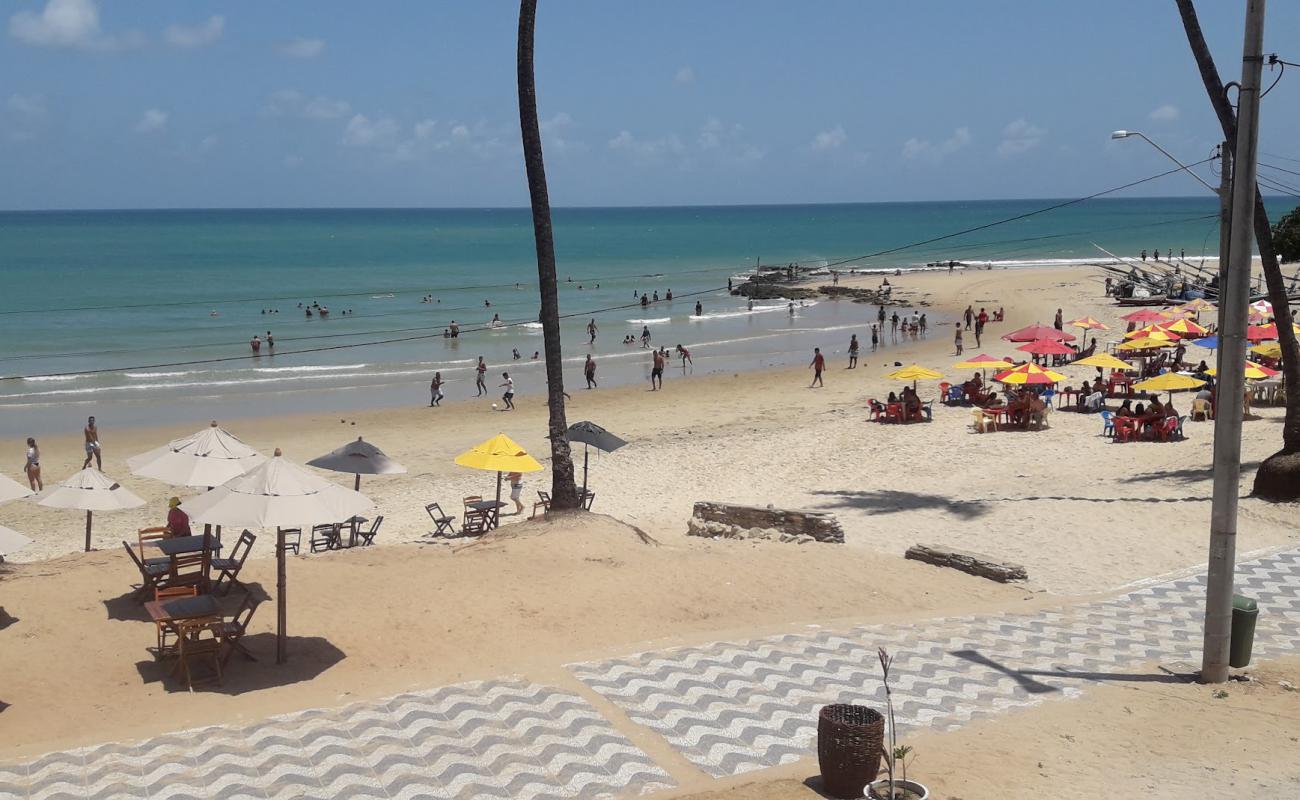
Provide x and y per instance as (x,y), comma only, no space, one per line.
(732,707)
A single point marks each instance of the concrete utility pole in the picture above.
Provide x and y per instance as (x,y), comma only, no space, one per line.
(1234,297)
(1225,233)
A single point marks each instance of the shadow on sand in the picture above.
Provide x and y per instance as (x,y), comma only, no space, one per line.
(892,501)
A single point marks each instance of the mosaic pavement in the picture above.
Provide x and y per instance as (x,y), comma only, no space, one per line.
(727,707)
(733,707)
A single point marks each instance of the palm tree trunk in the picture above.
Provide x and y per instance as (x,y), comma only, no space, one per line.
(564,494)
(1278,477)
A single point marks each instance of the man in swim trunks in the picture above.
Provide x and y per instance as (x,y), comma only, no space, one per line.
(479,372)
(589,370)
(657,372)
(818,365)
(93,450)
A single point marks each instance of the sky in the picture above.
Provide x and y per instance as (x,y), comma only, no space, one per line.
(309,103)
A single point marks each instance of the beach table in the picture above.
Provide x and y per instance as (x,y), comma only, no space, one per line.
(491,508)
(1116,380)
(1068,397)
(182,608)
(353,525)
(185,545)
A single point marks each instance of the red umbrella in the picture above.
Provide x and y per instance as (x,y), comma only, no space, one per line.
(1259,333)
(1036,331)
(1146,315)
(1047,347)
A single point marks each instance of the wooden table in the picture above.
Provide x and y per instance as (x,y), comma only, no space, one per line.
(181,545)
(491,508)
(182,608)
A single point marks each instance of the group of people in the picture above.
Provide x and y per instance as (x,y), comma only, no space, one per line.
(94,452)
(256,343)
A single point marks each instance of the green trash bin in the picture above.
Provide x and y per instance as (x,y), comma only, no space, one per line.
(1244,614)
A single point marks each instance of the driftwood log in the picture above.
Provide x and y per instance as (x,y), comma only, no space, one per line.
(971,563)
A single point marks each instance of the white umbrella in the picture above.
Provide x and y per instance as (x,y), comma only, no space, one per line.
(89,490)
(11,541)
(202,460)
(358,458)
(278,494)
(11,489)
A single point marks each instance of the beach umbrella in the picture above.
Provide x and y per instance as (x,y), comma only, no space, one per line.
(1254,372)
(1208,342)
(1197,305)
(1146,315)
(1268,350)
(201,460)
(592,435)
(358,458)
(278,494)
(1088,324)
(11,489)
(1029,373)
(1262,307)
(1046,347)
(500,454)
(1104,361)
(915,373)
(11,541)
(982,361)
(1186,329)
(1169,382)
(1151,332)
(1036,331)
(89,490)
(1260,333)
(1146,343)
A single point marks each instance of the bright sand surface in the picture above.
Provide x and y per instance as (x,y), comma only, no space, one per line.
(1082,514)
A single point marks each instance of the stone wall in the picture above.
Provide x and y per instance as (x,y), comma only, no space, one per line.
(728,521)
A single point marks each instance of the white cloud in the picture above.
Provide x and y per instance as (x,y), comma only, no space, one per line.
(27,106)
(556,137)
(292,103)
(915,149)
(325,108)
(714,143)
(1020,136)
(424,129)
(362,132)
(302,48)
(151,121)
(69,23)
(1165,113)
(685,75)
(833,139)
(647,149)
(193,36)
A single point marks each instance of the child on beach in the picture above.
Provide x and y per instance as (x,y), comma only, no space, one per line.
(957,339)
(818,364)
(435,390)
(685,356)
(509,396)
(853,351)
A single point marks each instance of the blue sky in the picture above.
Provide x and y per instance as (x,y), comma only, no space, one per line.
(155,104)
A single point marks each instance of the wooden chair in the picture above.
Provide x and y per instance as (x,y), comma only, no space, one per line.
(475,525)
(229,567)
(368,537)
(190,569)
(169,628)
(152,572)
(588,498)
(149,536)
(199,640)
(444,524)
(234,629)
(543,502)
(325,537)
(292,539)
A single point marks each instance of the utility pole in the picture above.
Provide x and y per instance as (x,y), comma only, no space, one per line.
(1234,297)
(1225,232)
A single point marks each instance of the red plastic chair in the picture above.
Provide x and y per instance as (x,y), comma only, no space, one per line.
(894,413)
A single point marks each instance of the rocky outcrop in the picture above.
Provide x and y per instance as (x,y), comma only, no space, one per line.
(971,563)
(729,521)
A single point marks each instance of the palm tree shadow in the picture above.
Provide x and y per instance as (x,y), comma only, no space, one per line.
(893,501)
(1027,677)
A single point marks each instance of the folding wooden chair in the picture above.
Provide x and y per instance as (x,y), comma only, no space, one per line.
(368,537)
(170,628)
(149,536)
(325,537)
(543,502)
(230,567)
(475,524)
(199,640)
(445,525)
(152,572)
(234,629)
(588,498)
(292,539)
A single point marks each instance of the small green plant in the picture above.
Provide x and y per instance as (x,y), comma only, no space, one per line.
(1220,694)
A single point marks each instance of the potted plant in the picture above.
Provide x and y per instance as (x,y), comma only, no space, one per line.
(896,786)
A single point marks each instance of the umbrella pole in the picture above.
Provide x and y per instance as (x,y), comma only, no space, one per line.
(496,512)
(281,638)
(356,485)
(586,451)
(88,513)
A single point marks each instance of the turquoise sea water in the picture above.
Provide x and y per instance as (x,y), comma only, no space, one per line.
(146,294)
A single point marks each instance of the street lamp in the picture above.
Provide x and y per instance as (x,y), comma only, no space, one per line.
(1187,169)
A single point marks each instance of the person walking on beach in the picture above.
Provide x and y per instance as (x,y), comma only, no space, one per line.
(818,364)
(979,334)
(508,397)
(685,356)
(923,324)
(33,466)
(957,339)
(981,320)
(969,315)
(657,372)
(480,373)
(256,344)
(93,449)
(1059,322)
(435,390)
(591,331)
(875,337)
(516,481)
(589,370)
(853,351)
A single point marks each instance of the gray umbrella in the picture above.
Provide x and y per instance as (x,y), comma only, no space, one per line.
(592,435)
(359,458)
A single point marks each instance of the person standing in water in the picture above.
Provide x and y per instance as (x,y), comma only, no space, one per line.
(480,373)
(591,331)
(589,370)
(699,309)
(657,372)
(686,357)
(33,466)
(853,351)
(93,449)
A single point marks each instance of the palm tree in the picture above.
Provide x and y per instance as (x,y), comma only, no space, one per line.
(564,493)
(1278,477)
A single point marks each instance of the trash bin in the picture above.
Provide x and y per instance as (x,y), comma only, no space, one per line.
(1244,613)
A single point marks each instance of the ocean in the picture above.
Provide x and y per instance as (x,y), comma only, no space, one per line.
(146,316)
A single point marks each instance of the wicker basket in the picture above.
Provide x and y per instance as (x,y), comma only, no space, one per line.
(849,740)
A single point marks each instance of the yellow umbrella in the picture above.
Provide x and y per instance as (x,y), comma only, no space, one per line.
(915,372)
(1088,324)
(1254,372)
(1268,349)
(1169,382)
(1186,326)
(1029,372)
(1197,305)
(498,454)
(1146,343)
(1151,332)
(983,362)
(1104,361)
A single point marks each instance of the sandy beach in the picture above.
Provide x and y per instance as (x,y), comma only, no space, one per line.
(1086,517)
